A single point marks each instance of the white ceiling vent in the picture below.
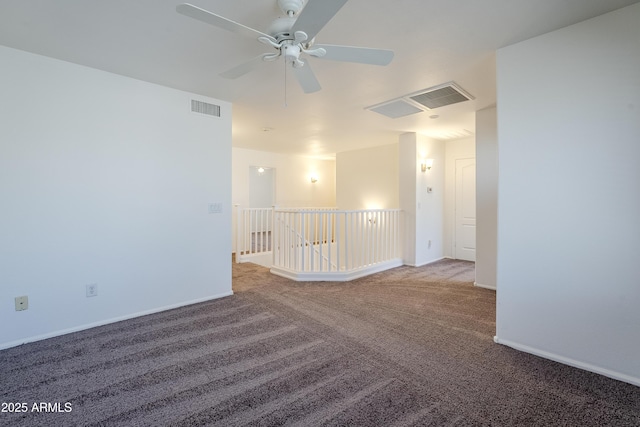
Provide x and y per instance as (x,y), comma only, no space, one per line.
(440,96)
(426,99)
(395,109)
(205,108)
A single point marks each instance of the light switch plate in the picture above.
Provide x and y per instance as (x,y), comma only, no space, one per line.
(22,303)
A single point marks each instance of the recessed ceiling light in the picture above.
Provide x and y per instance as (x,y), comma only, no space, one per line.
(434,116)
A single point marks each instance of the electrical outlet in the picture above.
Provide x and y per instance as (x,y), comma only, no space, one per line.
(22,303)
(92,290)
(215,208)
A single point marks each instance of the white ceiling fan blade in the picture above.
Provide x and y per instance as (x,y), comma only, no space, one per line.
(307,78)
(245,67)
(361,55)
(315,16)
(207,17)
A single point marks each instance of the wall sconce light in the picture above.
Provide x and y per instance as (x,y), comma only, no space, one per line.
(426,164)
(314,179)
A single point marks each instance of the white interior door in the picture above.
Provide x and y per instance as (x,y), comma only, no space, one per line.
(465,233)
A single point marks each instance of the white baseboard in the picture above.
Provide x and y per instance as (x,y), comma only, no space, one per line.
(264,259)
(569,361)
(430,261)
(480,285)
(335,276)
(427,262)
(108,321)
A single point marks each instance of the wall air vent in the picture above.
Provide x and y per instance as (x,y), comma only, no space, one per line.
(426,99)
(205,108)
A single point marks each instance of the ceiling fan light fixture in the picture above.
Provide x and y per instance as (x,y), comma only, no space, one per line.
(292,54)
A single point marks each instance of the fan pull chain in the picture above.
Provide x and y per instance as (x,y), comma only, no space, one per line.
(285,83)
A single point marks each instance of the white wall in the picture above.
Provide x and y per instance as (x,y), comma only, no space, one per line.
(463,148)
(106,180)
(368,178)
(569,203)
(486,197)
(422,211)
(293,179)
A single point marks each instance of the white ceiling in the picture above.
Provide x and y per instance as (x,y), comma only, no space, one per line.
(435,41)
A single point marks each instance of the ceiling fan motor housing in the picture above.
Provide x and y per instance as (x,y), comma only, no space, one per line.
(280,28)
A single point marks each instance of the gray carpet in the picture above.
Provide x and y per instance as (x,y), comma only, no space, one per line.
(407,347)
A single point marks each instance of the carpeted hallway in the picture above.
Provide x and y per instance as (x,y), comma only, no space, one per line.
(406,347)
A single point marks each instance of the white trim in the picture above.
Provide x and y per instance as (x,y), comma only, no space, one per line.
(108,321)
(427,262)
(336,276)
(264,259)
(480,285)
(569,361)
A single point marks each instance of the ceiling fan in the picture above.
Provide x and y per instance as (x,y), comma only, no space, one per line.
(291,36)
